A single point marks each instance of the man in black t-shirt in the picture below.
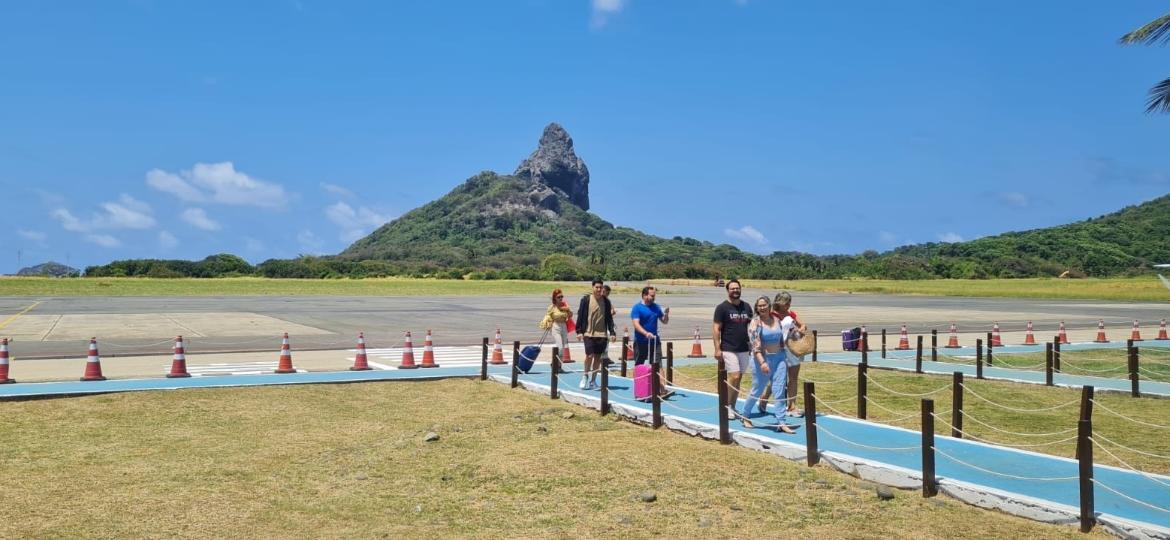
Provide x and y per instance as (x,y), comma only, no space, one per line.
(729,332)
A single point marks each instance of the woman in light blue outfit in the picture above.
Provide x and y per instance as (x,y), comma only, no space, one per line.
(768,367)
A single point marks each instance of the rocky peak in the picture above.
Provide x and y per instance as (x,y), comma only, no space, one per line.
(554,164)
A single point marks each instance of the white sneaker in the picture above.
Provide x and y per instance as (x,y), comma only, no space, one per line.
(584,384)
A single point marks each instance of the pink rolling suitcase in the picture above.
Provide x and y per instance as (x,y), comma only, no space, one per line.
(642,374)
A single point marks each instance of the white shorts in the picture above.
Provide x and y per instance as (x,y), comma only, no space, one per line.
(736,362)
(791,359)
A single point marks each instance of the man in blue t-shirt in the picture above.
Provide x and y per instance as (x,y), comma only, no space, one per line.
(646,315)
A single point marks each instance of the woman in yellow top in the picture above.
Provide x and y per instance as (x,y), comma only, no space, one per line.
(557,318)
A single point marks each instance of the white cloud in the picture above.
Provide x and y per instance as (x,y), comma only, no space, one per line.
(336,190)
(1014,198)
(310,243)
(747,232)
(198,218)
(167,240)
(354,223)
(127,213)
(604,9)
(69,221)
(949,237)
(220,183)
(103,240)
(35,236)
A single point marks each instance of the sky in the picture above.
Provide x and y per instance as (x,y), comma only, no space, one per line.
(269,129)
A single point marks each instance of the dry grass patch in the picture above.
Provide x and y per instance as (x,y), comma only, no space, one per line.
(350,461)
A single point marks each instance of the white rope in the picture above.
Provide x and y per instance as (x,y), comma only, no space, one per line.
(969,435)
(1011,476)
(1134,450)
(1127,465)
(821,428)
(1079,368)
(826,383)
(897,393)
(1152,373)
(1013,409)
(1134,420)
(836,401)
(993,428)
(830,407)
(1124,496)
(1010,365)
(673,406)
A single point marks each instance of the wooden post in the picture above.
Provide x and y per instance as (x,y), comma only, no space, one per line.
(625,353)
(670,362)
(1086,403)
(934,345)
(515,364)
(1048,364)
(918,356)
(929,484)
(957,405)
(483,363)
(556,368)
(1134,371)
(990,348)
(810,423)
(862,370)
(883,342)
(865,341)
(1085,468)
(724,431)
(604,392)
(864,350)
(655,393)
(1056,354)
(814,346)
(978,358)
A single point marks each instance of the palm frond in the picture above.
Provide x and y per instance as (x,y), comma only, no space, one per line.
(1159,98)
(1154,33)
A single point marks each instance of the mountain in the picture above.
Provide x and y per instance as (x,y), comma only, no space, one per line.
(50,269)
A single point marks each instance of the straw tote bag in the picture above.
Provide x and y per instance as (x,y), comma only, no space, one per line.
(799,344)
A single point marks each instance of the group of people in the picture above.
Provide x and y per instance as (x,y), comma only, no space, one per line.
(745,335)
(755,335)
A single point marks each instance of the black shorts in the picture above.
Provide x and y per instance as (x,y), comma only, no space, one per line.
(642,352)
(596,346)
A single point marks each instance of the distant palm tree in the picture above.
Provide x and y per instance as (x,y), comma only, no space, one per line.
(1154,33)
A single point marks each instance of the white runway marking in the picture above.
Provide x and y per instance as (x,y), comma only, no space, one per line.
(239,368)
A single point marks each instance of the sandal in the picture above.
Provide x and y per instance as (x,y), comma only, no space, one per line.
(783,428)
(795,413)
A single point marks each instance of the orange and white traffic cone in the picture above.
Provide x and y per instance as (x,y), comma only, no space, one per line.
(498,352)
(360,361)
(696,346)
(565,357)
(1136,334)
(1162,331)
(903,340)
(1101,332)
(285,365)
(1029,337)
(93,363)
(953,340)
(995,339)
(4,362)
(179,363)
(407,355)
(428,353)
(1062,334)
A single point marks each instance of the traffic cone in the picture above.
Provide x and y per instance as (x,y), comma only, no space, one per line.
(953,341)
(904,340)
(1136,335)
(1029,337)
(565,358)
(1162,331)
(360,361)
(93,363)
(407,355)
(285,365)
(428,353)
(1101,332)
(498,353)
(4,362)
(995,340)
(1062,334)
(179,364)
(697,346)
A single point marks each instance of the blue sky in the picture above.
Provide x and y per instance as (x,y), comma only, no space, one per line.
(274,128)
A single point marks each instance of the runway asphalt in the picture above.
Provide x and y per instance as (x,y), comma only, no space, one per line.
(57,327)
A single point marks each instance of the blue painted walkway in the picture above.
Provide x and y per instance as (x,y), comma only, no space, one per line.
(904,361)
(1036,475)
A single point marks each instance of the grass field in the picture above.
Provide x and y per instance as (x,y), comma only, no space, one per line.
(335,461)
(990,422)
(1144,289)
(12,286)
